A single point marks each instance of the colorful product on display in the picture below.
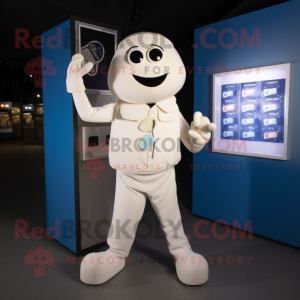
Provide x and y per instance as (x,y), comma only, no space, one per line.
(248,135)
(268,92)
(255,111)
(39,110)
(247,93)
(268,122)
(229,111)
(247,121)
(3,124)
(270,135)
(230,107)
(16,120)
(16,116)
(227,94)
(269,107)
(228,121)
(28,121)
(5,120)
(227,133)
(15,110)
(247,107)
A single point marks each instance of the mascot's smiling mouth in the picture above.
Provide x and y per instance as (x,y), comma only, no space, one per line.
(150,81)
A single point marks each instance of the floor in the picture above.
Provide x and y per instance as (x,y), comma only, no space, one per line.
(241,268)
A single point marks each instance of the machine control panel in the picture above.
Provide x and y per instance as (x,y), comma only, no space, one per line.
(93,142)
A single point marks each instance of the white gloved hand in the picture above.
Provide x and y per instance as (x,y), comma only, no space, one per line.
(201,129)
(75,73)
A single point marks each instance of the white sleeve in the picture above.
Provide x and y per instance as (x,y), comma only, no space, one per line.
(185,137)
(88,113)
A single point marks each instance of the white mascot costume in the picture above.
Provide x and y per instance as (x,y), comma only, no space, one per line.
(143,149)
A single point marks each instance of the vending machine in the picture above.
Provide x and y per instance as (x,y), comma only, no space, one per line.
(80,184)
(6,129)
(17,119)
(39,121)
(28,121)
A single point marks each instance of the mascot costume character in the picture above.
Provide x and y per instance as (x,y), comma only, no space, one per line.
(146,125)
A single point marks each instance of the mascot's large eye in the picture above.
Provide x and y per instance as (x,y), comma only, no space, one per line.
(154,55)
(136,57)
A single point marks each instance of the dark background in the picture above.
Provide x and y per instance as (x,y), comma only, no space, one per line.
(174,19)
(273,273)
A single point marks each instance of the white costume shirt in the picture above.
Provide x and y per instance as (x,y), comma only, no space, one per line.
(124,154)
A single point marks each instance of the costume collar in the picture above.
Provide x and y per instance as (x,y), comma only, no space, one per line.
(132,111)
(167,105)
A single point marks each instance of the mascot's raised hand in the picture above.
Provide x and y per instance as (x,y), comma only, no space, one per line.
(76,72)
(201,129)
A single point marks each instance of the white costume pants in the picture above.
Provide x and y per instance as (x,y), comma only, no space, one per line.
(132,191)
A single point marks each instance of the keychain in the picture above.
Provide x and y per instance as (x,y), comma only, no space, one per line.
(147,125)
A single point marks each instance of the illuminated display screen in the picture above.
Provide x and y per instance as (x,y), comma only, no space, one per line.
(251,112)
(28,107)
(97,45)
(5,106)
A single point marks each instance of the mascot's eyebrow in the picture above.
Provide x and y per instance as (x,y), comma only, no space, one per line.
(131,48)
(158,46)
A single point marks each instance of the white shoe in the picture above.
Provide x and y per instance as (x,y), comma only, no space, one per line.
(97,268)
(192,269)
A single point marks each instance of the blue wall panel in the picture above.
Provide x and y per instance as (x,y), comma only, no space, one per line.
(265,191)
(58,131)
